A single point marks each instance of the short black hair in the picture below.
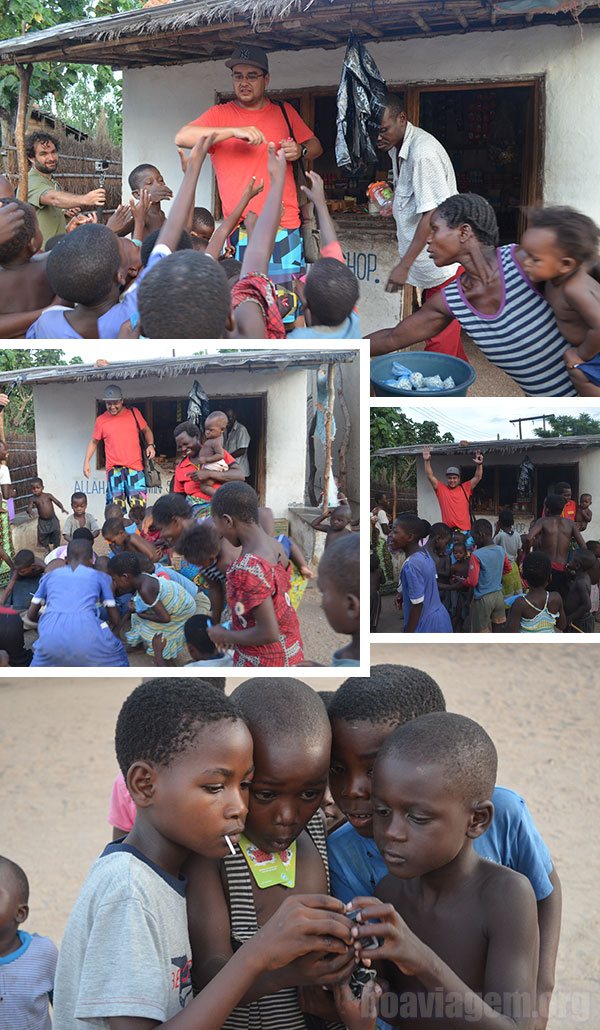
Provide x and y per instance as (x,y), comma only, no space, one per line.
(38,137)
(52,241)
(83,269)
(537,568)
(83,533)
(341,564)
(202,216)
(392,694)
(124,564)
(238,500)
(585,558)
(19,878)
(471,209)
(185,296)
(331,291)
(36,480)
(136,174)
(459,745)
(440,529)
(161,719)
(24,558)
(412,524)
(112,526)
(79,549)
(169,507)
(231,267)
(78,496)
(554,504)
(506,518)
(187,427)
(282,709)
(199,542)
(560,487)
(185,243)
(196,633)
(483,527)
(581,496)
(576,233)
(394,104)
(13,247)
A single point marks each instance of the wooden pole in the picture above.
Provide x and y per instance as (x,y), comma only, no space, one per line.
(24,73)
(395,489)
(343,451)
(328,418)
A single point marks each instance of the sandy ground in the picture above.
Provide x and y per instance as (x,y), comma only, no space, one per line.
(319,640)
(540,706)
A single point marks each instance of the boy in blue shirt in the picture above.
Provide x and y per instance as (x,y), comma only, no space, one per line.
(487,565)
(363,712)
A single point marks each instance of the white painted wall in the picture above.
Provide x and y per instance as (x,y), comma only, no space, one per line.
(589,478)
(157,101)
(65,413)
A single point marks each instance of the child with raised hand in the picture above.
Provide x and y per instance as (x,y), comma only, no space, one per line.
(24,287)
(339,517)
(300,571)
(578,605)
(48,527)
(331,290)
(265,630)
(559,248)
(81,518)
(146,178)
(159,605)
(70,632)
(432,783)
(363,713)
(282,852)
(538,610)
(423,609)
(339,583)
(27,961)
(125,958)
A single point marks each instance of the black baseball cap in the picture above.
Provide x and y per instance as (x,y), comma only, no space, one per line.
(247,54)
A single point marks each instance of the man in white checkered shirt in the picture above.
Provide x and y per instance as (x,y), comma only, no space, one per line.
(423,178)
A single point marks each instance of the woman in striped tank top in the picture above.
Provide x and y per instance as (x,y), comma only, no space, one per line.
(281,852)
(494,301)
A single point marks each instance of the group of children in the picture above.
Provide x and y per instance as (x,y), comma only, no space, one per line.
(493,578)
(107,281)
(226,587)
(299,861)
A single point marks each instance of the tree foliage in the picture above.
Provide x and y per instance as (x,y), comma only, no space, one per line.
(392,428)
(18,416)
(76,93)
(570,425)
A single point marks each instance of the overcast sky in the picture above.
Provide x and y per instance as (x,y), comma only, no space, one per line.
(489,418)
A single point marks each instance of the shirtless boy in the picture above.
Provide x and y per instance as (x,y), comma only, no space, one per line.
(339,522)
(555,534)
(558,249)
(48,529)
(24,287)
(458,933)
(583,515)
(578,606)
(211,455)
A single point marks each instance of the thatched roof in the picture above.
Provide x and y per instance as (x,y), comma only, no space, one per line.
(563,443)
(266,361)
(203,30)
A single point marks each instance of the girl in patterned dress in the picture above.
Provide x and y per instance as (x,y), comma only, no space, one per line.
(265,629)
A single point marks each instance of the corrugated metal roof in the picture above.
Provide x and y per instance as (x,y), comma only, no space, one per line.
(243,361)
(494,446)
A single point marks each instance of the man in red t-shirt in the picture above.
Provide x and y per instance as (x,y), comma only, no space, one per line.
(245,126)
(453,498)
(119,427)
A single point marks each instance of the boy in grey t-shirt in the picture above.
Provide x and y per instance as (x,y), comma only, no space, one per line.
(186,757)
(27,961)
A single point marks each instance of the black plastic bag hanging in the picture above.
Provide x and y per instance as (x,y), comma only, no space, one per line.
(198,405)
(525,478)
(360,106)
